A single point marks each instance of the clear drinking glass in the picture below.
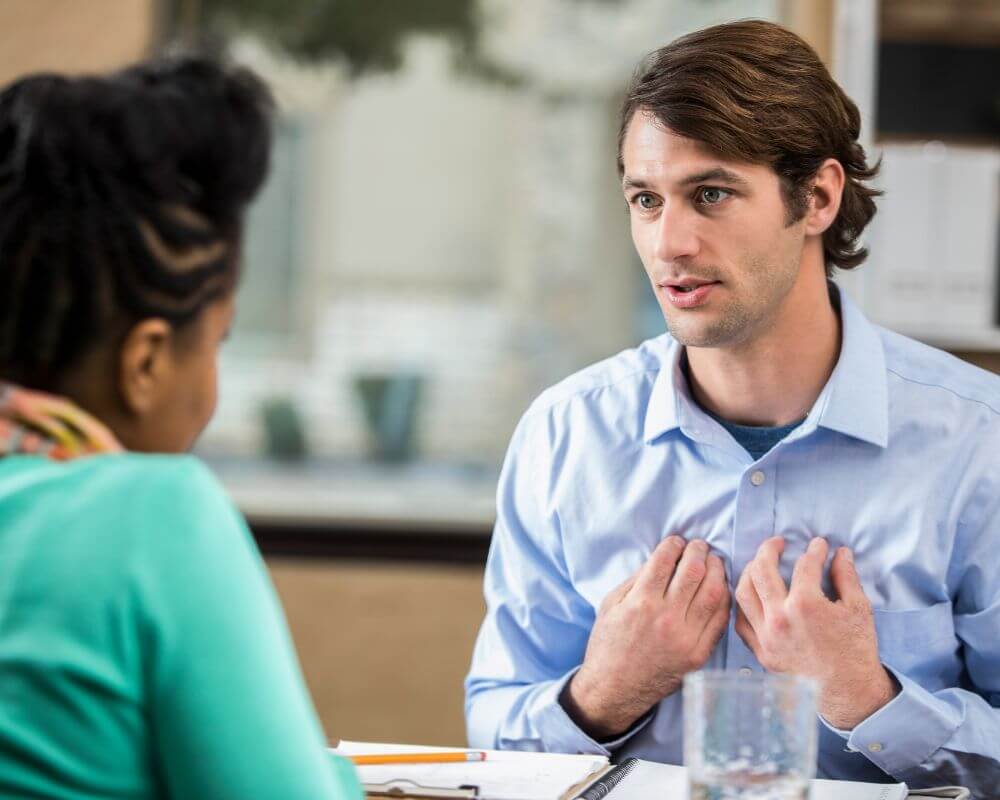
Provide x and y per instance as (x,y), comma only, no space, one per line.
(749,737)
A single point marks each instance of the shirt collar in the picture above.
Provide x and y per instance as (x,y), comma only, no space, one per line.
(670,389)
(854,402)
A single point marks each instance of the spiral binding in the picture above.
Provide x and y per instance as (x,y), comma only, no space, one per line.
(603,787)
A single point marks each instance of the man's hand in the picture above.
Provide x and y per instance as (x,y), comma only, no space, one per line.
(800,631)
(662,622)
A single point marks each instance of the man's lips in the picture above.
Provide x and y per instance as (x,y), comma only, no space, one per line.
(688,292)
(685,282)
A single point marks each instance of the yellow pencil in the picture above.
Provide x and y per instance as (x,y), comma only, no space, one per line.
(420,758)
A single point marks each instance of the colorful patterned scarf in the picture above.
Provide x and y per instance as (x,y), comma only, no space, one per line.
(44,424)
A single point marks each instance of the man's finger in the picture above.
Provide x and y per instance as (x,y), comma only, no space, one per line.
(691,571)
(716,626)
(746,632)
(845,578)
(655,575)
(765,574)
(808,573)
(712,593)
(747,600)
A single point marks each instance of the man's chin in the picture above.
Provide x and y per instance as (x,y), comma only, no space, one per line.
(691,332)
(704,333)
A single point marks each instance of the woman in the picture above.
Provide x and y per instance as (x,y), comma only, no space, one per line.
(142,650)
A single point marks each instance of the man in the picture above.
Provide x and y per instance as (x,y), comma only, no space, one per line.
(777,485)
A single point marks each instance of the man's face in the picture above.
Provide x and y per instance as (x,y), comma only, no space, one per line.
(712,235)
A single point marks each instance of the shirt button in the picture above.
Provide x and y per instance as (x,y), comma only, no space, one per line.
(756,477)
(875,747)
(746,671)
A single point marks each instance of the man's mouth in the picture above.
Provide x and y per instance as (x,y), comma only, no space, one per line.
(688,293)
(686,284)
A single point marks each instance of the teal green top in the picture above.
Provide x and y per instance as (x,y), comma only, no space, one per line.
(143,653)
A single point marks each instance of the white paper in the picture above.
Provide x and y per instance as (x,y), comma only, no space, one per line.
(650,780)
(505,775)
(514,775)
(847,790)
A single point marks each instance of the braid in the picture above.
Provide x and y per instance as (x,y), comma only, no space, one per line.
(121,198)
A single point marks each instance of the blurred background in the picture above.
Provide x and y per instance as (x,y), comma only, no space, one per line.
(443,235)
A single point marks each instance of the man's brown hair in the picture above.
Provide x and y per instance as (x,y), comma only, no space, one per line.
(754,91)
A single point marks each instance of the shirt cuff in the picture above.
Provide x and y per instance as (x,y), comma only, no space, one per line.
(563,735)
(845,735)
(905,732)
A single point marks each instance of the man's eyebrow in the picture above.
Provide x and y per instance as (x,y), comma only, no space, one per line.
(634,183)
(719,174)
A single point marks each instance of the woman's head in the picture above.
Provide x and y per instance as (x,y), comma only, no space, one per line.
(121,209)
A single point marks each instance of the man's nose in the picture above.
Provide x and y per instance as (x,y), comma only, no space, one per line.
(676,235)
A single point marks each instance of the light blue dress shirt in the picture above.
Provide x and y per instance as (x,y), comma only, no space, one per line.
(899,459)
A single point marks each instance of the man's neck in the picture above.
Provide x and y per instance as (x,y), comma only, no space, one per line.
(774,378)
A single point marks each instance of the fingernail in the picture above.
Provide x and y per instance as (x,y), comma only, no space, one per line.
(676,540)
(815,544)
(847,554)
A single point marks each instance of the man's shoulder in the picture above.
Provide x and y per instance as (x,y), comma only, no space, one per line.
(923,369)
(623,378)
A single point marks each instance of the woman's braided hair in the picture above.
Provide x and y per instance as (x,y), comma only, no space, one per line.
(121,198)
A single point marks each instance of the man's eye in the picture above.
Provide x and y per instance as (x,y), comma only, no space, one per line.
(711,195)
(646,201)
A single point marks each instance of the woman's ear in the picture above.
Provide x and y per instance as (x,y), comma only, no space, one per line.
(824,201)
(145,365)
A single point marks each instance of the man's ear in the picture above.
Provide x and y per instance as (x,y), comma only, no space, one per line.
(824,202)
(145,364)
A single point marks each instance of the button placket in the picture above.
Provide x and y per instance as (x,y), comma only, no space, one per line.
(753,523)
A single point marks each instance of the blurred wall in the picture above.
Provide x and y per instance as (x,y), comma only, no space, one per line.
(73,35)
(813,21)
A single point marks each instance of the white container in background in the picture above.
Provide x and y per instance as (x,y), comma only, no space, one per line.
(932,270)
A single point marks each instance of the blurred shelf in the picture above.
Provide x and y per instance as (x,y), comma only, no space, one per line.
(973,142)
(968,22)
(356,509)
